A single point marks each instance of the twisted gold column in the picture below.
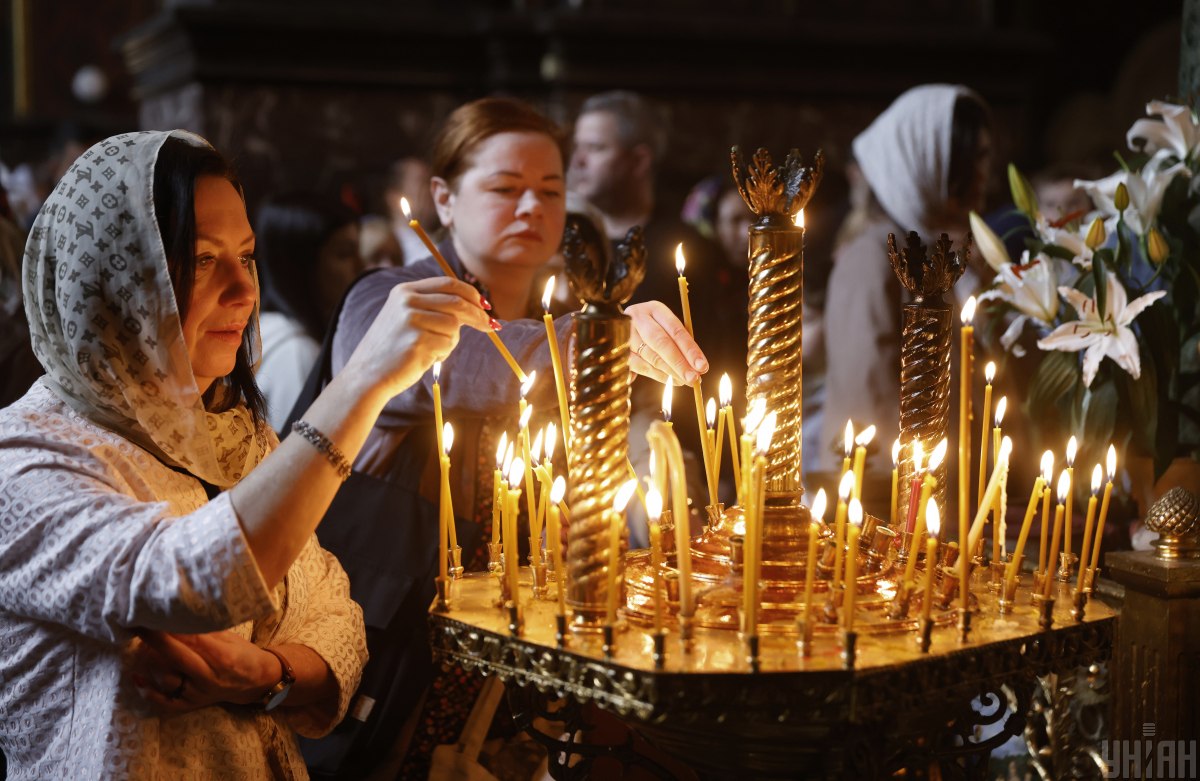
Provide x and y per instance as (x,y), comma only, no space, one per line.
(925,390)
(600,446)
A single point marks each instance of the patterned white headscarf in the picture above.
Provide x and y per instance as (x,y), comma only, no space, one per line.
(905,155)
(104,321)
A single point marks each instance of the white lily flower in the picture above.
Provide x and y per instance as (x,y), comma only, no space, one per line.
(1072,241)
(1029,288)
(1110,336)
(1146,188)
(990,245)
(1177,135)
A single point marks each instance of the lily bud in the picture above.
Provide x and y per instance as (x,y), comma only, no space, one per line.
(1022,193)
(1121,197)
(1096,235)
(1157,245)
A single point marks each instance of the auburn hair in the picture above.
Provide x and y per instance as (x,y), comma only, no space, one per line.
(473,123)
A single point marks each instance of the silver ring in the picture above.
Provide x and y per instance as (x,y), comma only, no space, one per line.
(638,351)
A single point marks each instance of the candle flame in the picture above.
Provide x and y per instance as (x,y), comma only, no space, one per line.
(846,486)
(918,451)
(725,391)
(558,490)
(758,411)
(551,440)
(933,521)
(739,529)
(989,372)
(447,437)
(896,454)
(515,472)
(653,504)
(508,459)
(437,370)
(1064,486)
(765,432)
(405,208)
(818,506)
(547,294)
(1006,447)
(968,311)
(668,392)
(799,221)
(939,453)
(1097,478)
(865,436)
(710,413)
(500,450)
(535,450)
(525,416)
(528,384)
(854,513)
(1048,466)
(624,494)
(1001,406)
(848,439)
(1112,463)
(680,261)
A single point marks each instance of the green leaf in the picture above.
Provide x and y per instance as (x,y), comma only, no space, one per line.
(1099,411)
(1055,251)
(1101,287)
(1143,403)
(1056,375)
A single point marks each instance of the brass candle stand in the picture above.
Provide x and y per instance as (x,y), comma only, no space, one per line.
(925,349)
(600,398)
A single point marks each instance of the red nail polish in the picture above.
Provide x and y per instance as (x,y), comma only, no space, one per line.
(494,323)
(483,302)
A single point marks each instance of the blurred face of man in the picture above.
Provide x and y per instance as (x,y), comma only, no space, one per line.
(602,169)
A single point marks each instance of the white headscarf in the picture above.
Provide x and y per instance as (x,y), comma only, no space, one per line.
(104,320)
(905,155)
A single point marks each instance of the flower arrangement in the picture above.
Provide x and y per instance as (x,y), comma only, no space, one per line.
(1121,283)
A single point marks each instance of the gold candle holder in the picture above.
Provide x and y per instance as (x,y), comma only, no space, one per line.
(456,566)
(925,349)
(600,381)
(495,557)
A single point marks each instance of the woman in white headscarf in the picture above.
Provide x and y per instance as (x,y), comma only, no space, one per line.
(164,607)
(925,160)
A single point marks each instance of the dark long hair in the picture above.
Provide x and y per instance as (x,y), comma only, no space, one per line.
(971,117)
(288,236)
(176,171)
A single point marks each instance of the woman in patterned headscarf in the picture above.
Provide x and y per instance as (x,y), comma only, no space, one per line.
(165,608)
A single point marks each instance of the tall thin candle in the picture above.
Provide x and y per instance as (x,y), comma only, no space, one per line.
(447,501)
(726,395)
(1047,479)
(895,482)
(975,535)
(616,521)
(845,488)
(989,374)
(997,515)
(1111,464)
(1064,487)
(560,384)
(1097,478)
(855,514)
(511,565)
(810,565)
(1072,447)
(437,404)
(966,370)
(861,441)
(848,447)
(1010,571)
(554,536)
(680,265)
(933,521)
(497,483)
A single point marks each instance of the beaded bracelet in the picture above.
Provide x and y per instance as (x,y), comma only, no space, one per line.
(325,446)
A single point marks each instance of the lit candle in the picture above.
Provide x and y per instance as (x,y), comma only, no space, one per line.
(914,486)
(1064,487)
(1097,478)
(725,391)
(443,503)
(848,446)
(668,456)
(554,535)
(437,404)
(530,496)
(616,520)
(560,384)
(928,483)
(754,416)
(1072,447)
(966,377)
(975,535)
(895,481)
(515,472)
(855,513)
(653,513)
(752,544)
(680,264)
(1047,479)
(714,448)
(668,393)
(810,565)
(845,488)
(989,374)
(447,502)
(1010,572)
(998,529)
(933,520)
(860,458)
(448,271)
(497,483)
(545,480)
(1111,464)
